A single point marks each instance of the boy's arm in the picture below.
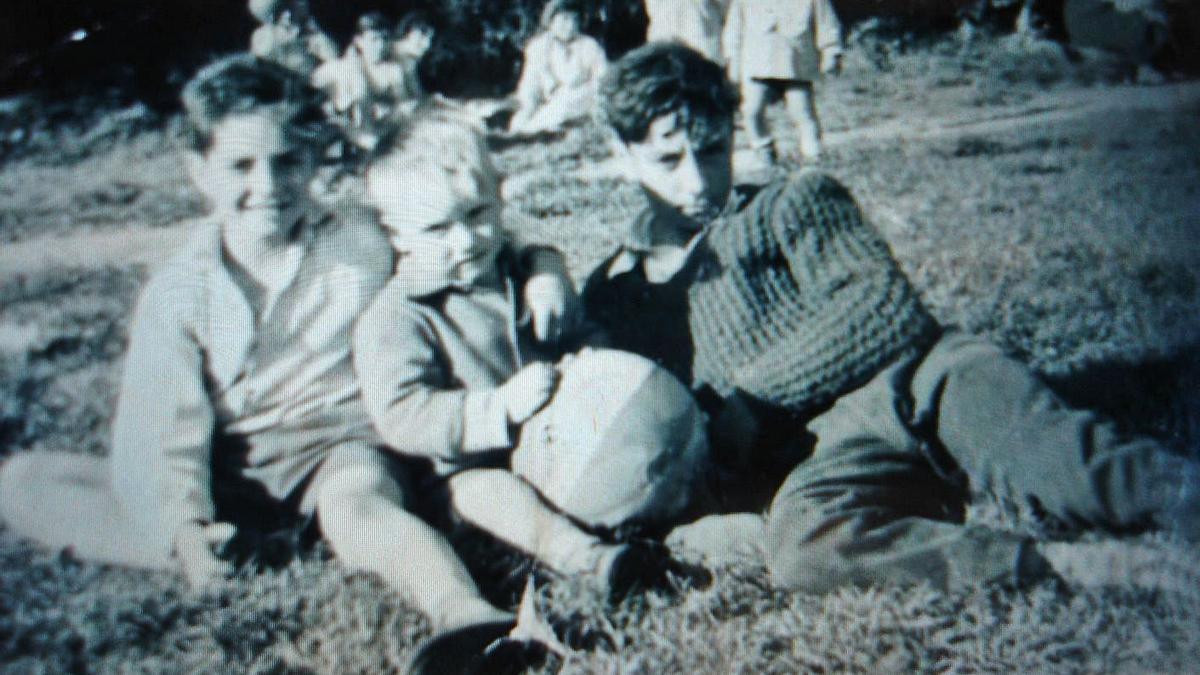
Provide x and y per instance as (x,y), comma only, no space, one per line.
(415,405)
(549,293)
(162,433)
(529,87)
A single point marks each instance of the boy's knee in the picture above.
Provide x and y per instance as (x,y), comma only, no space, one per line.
(483,487)
(348,484)
(798,561)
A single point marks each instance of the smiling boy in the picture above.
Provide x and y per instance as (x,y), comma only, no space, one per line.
(820,368)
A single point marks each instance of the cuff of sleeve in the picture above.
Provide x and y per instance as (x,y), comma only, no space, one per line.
(485,422)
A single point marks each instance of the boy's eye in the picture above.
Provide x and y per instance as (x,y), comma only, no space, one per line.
(289,160)
(437,228)
(672,160)
(244,165)
(478,212)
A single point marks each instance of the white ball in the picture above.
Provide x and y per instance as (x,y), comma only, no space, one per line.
(621,442)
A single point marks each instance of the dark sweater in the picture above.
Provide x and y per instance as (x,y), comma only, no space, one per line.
(792,299)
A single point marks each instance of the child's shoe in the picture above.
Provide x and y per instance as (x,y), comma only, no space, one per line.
(644,565)
(477,649)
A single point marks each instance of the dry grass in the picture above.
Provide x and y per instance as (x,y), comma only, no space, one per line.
(1072,244)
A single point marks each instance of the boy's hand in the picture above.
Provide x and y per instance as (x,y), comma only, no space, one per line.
(526,392)
(199,547)
(551,298)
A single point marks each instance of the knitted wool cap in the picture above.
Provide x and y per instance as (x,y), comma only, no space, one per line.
(802,300)
(621,442)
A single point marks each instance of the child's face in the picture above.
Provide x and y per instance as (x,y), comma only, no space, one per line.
(564,26)
(444,223)
(415,42)
(687,183)
(373,44)
(255,175)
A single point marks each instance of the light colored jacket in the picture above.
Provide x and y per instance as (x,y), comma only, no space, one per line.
(695,23)
(200,361)
(779,39)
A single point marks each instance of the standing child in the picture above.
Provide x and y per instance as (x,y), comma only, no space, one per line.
(448,366)
(561,72)
(821,369)
(695,23)
(782,46)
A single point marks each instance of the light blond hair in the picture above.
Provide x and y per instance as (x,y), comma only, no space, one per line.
(436,137)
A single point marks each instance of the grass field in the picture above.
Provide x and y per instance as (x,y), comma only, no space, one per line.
(1072,242)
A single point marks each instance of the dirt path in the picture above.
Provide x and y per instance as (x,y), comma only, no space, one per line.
(141,245)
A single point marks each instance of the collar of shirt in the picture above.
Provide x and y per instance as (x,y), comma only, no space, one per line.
(638,248)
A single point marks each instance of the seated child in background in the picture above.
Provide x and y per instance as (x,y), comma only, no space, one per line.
(822,370)
(448,369)
(560,74)
(365,85)
(288,36)
(414,37)
(781,46)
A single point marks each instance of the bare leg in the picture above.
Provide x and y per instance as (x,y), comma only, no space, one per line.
(509,508)
(802,109)
(65,500)
(362,516)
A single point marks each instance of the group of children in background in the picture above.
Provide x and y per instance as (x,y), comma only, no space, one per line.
(768,48)
(369,366)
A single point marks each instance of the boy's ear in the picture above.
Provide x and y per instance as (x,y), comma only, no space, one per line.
(621,155)
(197,171)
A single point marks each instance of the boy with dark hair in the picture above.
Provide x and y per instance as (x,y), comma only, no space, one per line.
(239,404)
(414,37)
(787,312)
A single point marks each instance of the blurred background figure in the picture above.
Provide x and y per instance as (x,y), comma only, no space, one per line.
(561,72)
(695,23)
(364,85)
(413,37)
(289,36)
(782,47)
(1126,33)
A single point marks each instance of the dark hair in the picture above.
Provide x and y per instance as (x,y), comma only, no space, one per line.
(553,7)
(242,84)
(415,20)
(374,21)
(666,77)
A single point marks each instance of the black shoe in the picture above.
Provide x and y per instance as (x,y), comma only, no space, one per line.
(511,657)
(647,565)
(459,651)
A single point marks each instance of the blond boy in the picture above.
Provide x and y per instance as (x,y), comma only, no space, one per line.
(448,368)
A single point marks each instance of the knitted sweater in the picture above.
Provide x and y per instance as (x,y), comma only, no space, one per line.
(793,299)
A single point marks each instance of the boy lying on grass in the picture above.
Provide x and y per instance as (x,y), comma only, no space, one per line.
(821,369)
(239,408)
(448,366)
